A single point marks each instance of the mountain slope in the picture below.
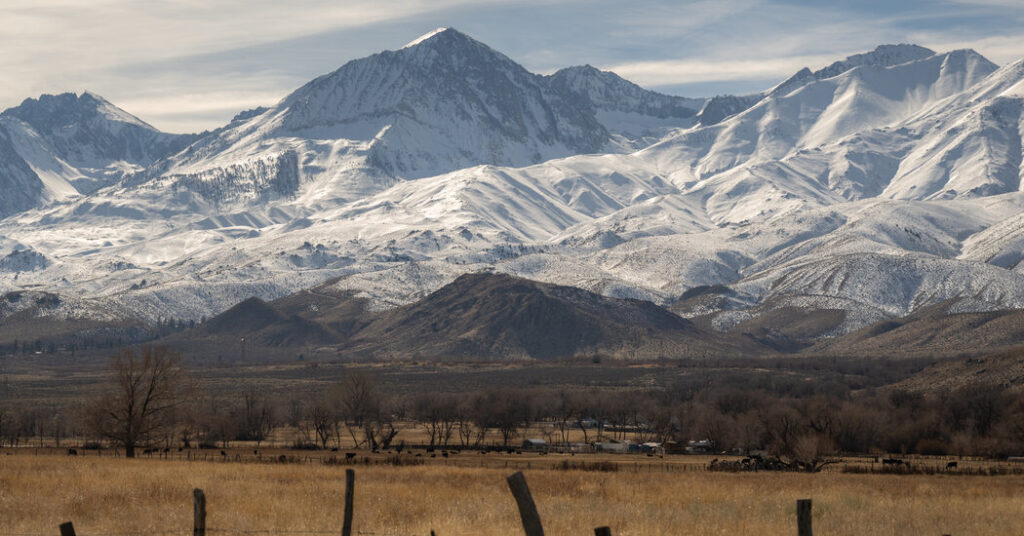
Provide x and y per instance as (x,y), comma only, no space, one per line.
(57,147)
(864,97)
(866,191)
(719,108)
(635,116)
(443,103)
(933,331)
(498,316)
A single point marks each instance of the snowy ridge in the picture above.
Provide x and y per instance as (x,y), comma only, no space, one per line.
(424,37)
(73,145)
(886,182)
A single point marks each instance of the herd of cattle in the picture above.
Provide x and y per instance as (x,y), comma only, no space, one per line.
(761,463)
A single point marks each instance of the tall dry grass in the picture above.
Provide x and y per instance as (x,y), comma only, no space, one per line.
(110,496)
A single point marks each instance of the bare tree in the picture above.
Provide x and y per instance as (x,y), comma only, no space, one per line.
(324,424)
(464,412)
(439,415)
(507,411)
(364,410)
(258,417)
(812,452)
(140,401)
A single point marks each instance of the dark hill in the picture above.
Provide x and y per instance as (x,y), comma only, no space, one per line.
(495,316)
(248,316)
(933,331)
(999,370)
(299,321)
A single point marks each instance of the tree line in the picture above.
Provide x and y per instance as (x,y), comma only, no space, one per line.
(151,401)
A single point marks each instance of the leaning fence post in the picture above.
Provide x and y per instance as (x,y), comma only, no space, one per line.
(67,529)
(198,512)
(803,518)
(350,482)
(603,531)
(527,509)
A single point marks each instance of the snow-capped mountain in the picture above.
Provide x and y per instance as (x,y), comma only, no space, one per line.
(720,107)
(57,147)
(635,116)
(872,187)
(441,103)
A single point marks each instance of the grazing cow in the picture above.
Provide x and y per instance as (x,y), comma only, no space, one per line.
(350,455)
(72,452)
(224,454)
(282,458)
(891,461)
(950,465)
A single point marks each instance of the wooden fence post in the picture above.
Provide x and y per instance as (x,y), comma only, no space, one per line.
(527,509)
(198,512)
(803,518)
(67,529)
(603,531)
(350,482)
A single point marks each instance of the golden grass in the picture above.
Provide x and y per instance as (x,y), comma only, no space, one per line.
(117,496)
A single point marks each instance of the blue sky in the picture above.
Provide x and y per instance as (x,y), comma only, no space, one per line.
(186,65)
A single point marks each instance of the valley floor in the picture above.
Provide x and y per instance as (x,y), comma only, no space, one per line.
(143,496)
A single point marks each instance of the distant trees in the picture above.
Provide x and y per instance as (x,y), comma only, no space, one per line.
(438,414)
(258,417)
(365,412)
(141,400)
(149,399)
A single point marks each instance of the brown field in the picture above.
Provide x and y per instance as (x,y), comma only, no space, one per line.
(105,496)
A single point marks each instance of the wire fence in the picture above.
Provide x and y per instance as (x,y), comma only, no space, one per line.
(516,482)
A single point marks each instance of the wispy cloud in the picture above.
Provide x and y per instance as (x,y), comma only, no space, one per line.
(674,72)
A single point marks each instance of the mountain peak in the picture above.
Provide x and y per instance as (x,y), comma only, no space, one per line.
(881,56)
(608,91)
(887,55)
(427,36)
(49,112)
(443,41)
(581,69)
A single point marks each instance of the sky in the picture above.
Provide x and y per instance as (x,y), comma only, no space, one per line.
(190,65)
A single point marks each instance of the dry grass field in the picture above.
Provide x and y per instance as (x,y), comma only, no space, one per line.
(105,496)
